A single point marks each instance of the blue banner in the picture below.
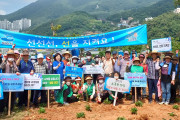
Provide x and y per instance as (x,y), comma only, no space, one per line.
(138,79)
(12,82)
(73,72)
(131,36)
(111,84)
(1,91)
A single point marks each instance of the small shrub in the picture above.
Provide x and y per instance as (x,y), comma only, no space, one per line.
(107,101)
(121,118)
(134,110)
(176,107)
(129,97)
(139,104)
(42,110)
(172,114)
(43,105)
(88,108)
(80,115)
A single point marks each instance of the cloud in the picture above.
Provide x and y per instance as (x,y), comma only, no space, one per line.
(2,12)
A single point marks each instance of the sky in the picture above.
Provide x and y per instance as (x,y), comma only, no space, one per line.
(10,6)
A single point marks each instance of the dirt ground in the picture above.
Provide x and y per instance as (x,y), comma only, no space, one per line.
(103,111)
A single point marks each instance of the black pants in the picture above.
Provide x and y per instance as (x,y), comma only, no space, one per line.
(138,93)
(32,95)
(104,96)
(23,96)
(4,102)
(36,96)
(173,93)
(69,99)
(85,97)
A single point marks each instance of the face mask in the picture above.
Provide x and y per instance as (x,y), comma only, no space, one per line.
(97,59)
(11,59)
(68,83)
(101,81)
(74,61)
(88,57)
(33,61)
(116,77)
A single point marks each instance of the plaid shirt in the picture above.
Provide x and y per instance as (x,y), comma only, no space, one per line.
(152,72)
(12,68)
(40,68)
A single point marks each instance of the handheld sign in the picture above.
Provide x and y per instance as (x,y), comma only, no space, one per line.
(138,79)
(162,45)
(12,82)
(1,90)
(73,72)
(119,85)
(51,81)
(32,82)
(89,69)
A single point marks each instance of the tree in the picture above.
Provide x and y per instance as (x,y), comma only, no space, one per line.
(176,3)
(55,28)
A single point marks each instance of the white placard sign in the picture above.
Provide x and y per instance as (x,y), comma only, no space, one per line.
(89,69)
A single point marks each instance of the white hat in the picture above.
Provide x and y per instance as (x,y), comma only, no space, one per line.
(40,55)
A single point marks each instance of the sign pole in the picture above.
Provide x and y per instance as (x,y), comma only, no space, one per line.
(114,103)
(29,97)
(48,98)
(9,105)
(135,94)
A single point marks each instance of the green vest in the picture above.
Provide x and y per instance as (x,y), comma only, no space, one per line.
(60,98)
(90,88)
(136,69)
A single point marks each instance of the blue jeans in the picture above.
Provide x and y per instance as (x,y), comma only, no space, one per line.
(143,90)
(166,91)
(152,86)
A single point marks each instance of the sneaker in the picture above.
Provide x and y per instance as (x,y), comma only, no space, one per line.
(166,103)
(161,103)
(65,103)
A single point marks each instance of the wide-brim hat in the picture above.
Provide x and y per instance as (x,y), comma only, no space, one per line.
(168,54)
(10,52)
(67,78)
(175,58)
(167,57)
(75,57)
(136,59)
(66,52)
(77,78)
(88,78)
(154,52)
(100,77)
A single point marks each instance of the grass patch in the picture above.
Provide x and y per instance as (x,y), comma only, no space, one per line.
(88,108)
(134,110)
(80,115)
(121,118)
(107,101)
(42,110)
(172,114)
(176,107)
(139,103)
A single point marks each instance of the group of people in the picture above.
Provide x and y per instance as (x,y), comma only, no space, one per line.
(162,75)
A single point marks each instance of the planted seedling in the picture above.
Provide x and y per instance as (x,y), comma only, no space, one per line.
(172,114)
(42,110)
(139,104)
(176,107)
(43,105)
(121,118)
(80,115)
(107,101)
(134,110)
(88,108)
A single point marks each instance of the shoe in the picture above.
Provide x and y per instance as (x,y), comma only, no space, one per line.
(166,103)
(65,103)
(150,102)
(157,101)
(161,103)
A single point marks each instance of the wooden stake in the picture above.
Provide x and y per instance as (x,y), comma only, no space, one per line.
(9,105)
(29,97)
(48,98)
(135,94)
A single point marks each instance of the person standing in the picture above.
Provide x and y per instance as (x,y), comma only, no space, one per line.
(25,66)
(40,67)
(108,64)
(125,64)
(115,58)
(9,66)
(66,56)
(153,74)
